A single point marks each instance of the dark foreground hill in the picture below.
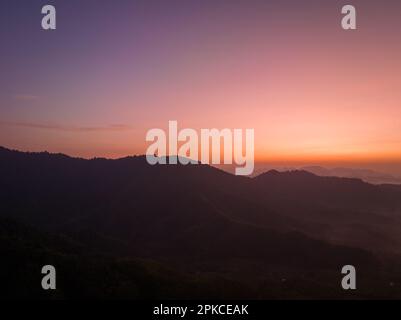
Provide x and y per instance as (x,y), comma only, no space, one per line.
(277,235)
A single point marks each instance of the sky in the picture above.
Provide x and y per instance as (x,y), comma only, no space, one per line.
(313,92)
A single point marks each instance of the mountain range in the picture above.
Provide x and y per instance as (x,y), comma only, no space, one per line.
(367,175)
(175,231)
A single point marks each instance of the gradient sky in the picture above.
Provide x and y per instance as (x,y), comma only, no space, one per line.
(114,69)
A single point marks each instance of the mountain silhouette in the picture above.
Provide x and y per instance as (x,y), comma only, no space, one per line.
(196,219)
(367,175)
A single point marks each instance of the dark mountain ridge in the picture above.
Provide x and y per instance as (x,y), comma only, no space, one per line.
(198,218)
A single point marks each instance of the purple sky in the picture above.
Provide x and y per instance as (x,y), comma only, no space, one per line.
(114,69)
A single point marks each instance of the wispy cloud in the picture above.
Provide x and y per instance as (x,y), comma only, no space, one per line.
(26,97)
(58,127)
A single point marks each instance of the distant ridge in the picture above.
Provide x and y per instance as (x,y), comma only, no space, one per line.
(367,175)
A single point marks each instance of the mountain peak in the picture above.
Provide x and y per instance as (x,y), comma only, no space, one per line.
(286,174)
